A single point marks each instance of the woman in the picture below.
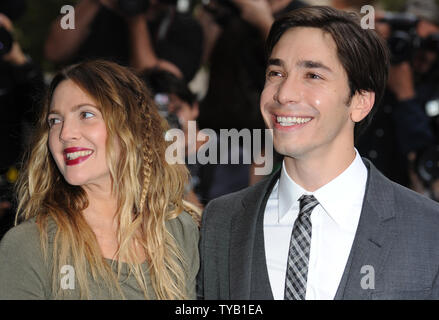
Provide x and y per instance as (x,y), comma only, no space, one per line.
(102,210)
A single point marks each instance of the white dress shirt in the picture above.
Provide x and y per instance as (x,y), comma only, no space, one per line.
(334,223)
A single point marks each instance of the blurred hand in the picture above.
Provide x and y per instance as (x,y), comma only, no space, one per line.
(435,189)
(4,206)
(110,4)
(425,28)
(256,12)
(401,81)
(15,56)
(382,28)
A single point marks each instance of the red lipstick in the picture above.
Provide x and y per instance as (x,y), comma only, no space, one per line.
(78,160)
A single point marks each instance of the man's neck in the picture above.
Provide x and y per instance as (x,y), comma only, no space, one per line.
(314,171)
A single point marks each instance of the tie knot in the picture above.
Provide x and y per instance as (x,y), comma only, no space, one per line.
(307,204)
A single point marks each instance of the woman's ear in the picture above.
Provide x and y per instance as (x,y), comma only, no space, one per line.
(361,104)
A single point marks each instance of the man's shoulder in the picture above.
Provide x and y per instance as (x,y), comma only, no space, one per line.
(406,203)
(406,200)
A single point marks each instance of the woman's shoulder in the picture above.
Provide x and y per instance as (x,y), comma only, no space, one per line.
(185,231)
(23,270)
(29,231)
(22,235)
(183,222)
(183,225)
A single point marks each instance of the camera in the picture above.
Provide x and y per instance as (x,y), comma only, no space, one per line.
(222,10)
(133,7)
(427,164)
(6,41)
(431,43)
(13,9)
(403,40)
(427,159)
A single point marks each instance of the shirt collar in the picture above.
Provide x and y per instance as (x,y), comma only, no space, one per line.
(350,184)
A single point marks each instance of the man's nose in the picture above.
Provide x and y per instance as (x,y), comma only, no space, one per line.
(289,91)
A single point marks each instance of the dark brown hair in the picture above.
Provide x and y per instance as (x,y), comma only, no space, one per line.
(363,54)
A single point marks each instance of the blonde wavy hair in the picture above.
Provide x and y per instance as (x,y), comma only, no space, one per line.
(149,190)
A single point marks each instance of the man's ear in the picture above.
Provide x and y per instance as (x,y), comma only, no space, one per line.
(361,104)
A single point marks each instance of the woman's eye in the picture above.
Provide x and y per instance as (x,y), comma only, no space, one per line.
(86,115)
(53,121)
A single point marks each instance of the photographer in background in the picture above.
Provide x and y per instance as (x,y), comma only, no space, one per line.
(402,130)
(178,105)
(20,81)
(237,59)
(142,34)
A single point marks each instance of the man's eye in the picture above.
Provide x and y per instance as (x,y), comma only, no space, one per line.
(313,76)
(273,73)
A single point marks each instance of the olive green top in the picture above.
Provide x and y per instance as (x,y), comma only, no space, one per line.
(24,274)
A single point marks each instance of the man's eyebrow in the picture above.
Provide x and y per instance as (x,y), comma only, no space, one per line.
(74,109)
(275,62)
(310,64)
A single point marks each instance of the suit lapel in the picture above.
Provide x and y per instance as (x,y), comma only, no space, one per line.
(373,239)
(242,242)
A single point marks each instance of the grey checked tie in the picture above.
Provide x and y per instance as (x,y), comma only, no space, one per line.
(298,255)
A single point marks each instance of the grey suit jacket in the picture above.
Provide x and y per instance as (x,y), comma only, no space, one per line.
(395,253)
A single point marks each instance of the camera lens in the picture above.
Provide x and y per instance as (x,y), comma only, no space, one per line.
(428,164)
(5,41)
(401,46)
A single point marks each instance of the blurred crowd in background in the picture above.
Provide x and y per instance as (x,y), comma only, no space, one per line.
(204,61)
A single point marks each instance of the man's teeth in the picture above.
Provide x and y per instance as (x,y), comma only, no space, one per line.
(289,121)
(75,155)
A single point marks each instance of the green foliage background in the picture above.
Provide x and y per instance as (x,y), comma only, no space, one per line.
(32,28)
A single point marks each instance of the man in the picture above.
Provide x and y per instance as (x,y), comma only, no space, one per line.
(328,225)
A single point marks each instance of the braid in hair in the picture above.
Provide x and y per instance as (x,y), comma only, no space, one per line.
(147,155)
(194,211)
